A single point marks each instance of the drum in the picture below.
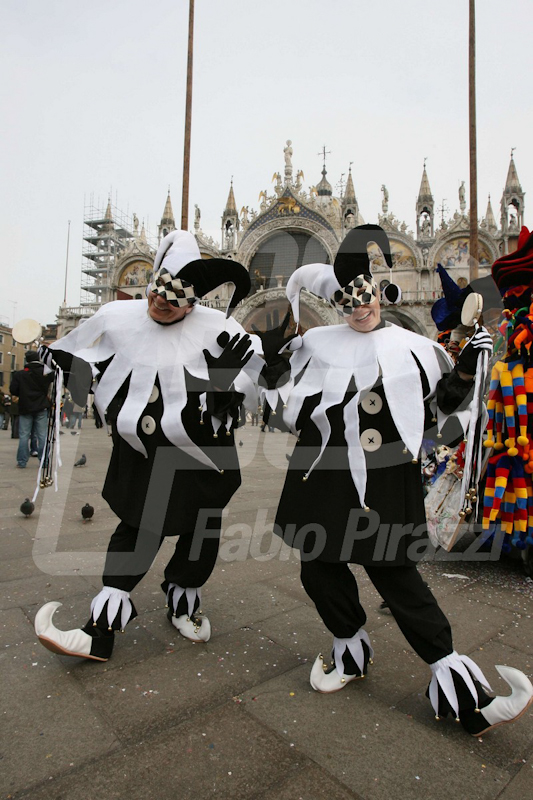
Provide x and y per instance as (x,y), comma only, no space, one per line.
(27,331)
(472,309)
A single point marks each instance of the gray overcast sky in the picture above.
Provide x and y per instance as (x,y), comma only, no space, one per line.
(93,95)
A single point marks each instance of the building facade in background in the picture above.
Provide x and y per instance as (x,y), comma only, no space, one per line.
(294,225)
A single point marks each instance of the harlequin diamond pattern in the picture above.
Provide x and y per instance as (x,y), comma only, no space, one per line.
(359,292)
(177,292)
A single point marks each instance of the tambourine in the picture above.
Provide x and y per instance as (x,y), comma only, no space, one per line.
(472,310)
(27,331)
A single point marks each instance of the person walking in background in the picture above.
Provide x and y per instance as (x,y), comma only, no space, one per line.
(66,410)
(7,411)
(14,414)
(2,410)
(97,418)
(75,416)
(30,385)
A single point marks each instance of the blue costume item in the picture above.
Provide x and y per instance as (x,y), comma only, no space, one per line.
(446,312)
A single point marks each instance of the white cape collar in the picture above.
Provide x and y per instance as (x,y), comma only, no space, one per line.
(331,356)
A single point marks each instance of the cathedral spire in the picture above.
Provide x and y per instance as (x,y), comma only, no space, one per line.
(231,206)
(167,223)
(490,220)
(108,218)
(350,207)
(349,192)
(512,183)
(512,204)
(230,222)
(425,209)
(424,193)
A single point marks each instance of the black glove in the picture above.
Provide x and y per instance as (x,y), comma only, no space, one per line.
(46,355)
(274,339)
(467,361)
(224,369)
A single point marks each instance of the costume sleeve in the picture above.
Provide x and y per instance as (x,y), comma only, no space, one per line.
(220,404)
(276,372)
(77,373)
(454,393)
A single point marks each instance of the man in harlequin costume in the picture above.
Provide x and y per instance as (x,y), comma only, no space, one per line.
(508,496)
(171,378)
(358,399)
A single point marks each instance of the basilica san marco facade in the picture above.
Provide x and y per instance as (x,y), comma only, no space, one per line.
(295,225)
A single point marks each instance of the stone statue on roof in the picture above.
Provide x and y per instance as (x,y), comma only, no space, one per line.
(462,200)
(287,151)
(385,201)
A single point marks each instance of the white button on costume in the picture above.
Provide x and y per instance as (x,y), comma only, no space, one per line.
(154,395)
(148,425)
(371,440)
(372,403)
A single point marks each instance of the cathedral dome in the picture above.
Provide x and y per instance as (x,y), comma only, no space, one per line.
(324,188)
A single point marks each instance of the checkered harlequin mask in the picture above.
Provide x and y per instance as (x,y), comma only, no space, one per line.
(359,292)
(177,292)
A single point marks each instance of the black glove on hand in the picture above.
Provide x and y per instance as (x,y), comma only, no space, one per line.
(274,339)
(46,355)
(224,369)
(467,361)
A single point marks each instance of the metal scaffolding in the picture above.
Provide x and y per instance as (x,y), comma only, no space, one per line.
(106,233)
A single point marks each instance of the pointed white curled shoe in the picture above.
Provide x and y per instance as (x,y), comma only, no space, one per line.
(328,682)
(358,652)
(190,625)
(502,710)
(70,643)
(196,629)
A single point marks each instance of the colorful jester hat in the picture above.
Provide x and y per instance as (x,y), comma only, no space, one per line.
(509,488)
(182,276)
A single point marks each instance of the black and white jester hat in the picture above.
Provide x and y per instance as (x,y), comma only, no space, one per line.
(182,276)
(349,278)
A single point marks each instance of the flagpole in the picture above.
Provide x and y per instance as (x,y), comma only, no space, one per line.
(187,138)
(66,265)
(474,241)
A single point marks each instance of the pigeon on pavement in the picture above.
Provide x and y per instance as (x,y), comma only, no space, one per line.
(81,461)
(27,507)
(87,512)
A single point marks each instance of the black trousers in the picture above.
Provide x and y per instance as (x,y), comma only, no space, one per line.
(131,552)
(333,589)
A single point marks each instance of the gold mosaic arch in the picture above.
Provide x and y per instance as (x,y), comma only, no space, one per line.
(403,256)
(454,252)
(135,273)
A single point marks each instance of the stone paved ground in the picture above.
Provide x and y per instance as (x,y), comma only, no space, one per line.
(234,718)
